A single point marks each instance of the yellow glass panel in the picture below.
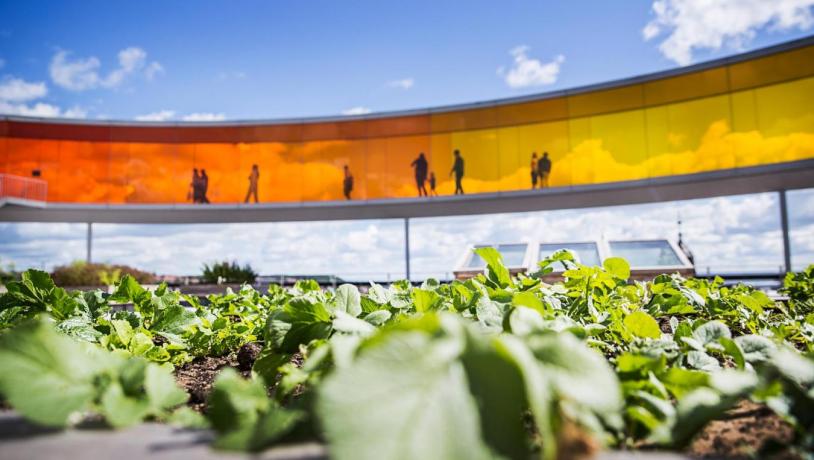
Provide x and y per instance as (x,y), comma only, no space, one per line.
(479,150)
(617,146)
(441,163)
(744,111)
(699,137)
(323,164)
(580,157)
(514,171)
(785,116)
(609,100)
(772,69)
(694,85)
(533,112)
(541,138)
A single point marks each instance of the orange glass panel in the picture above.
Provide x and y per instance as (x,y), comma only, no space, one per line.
(401,177)
(376,174)
(220,163)
(82,173)
(323,169)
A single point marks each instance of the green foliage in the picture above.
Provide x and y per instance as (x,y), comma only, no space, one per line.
(493,366)
(225,272)
(81,273)
(53,380)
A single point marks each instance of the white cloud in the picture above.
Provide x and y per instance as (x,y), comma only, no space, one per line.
(725,233)
(41,109)
(404,83)
(153,69)
(161,115)
(204,116)
(17,97)
(713,24)
(76,75)
(526,71)
(358,110)
(237,75)
(82,74)
(19,90)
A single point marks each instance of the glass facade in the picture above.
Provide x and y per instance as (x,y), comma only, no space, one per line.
(514,255)
(750,113)
(586,253)
(646,253)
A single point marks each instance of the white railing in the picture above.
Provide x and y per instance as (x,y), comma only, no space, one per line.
(25,188)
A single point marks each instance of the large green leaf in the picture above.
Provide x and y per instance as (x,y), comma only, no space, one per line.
(243,415)
(404,398)
(642,325)
(498,272)
(45,375)
(348,300)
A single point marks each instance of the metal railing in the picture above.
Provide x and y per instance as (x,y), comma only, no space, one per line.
(25,188)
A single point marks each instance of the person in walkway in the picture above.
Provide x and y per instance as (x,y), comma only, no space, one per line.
(194,192)
(432,185)
(347,183)
(534,173)
(204,187)
(458,169)
(420,166)
(544,169)
(254,176)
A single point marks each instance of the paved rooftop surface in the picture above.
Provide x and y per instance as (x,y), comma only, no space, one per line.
(22,440)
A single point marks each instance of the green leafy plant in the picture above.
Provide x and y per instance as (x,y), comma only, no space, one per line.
(493,366)
(225,272)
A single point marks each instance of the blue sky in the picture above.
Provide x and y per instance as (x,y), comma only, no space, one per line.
(210,60)
(261,59)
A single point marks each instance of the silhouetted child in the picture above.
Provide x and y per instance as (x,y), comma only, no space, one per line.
(432,185)
(347,183)
(253,178)
(534,173)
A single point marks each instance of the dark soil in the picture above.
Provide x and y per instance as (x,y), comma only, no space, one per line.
(197,377)
(748,431)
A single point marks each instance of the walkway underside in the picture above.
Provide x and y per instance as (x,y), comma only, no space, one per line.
(782,176)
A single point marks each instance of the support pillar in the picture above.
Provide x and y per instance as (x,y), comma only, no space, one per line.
(784,226)
(407,247)
(89,245)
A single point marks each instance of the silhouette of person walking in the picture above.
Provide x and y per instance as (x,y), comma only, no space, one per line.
(534,172)
(458,169)
(544,169)
(420,166)
(194,192)
(347,183)
(432,185)
(204,187)
(254,176)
